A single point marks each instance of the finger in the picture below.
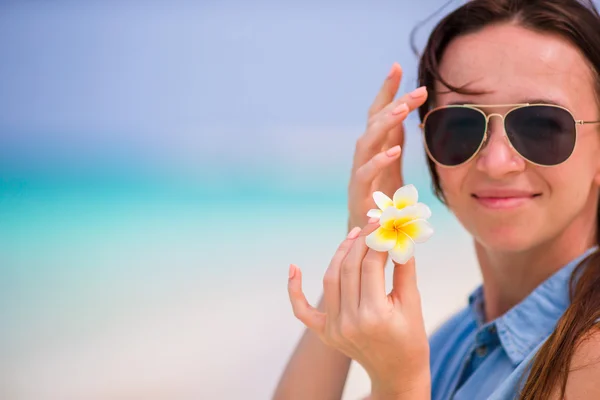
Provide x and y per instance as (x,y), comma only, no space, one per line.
(368,171)
(384,97)
(351,270)
(372,141)
(372,282)
(310,316)
(331,280)
(390,176)
(390,116)
(388,90)
(365,175)
(405,290)
(389,119)
(415,99)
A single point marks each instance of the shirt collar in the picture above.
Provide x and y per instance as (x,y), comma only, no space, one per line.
(525,325)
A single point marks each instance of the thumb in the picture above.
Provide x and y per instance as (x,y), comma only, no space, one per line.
(405,289)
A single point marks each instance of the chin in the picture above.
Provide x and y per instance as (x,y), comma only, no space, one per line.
(505,238)
(506,245)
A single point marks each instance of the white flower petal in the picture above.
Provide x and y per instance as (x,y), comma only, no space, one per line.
(419,230)
(403,249)
(405,196)
(374,213)
(382,200)
(423,212)
(388,218)
(407,214)
(382,239)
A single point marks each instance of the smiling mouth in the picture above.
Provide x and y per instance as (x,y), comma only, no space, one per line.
(504,202)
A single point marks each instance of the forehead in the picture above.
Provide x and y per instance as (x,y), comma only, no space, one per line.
(514,64)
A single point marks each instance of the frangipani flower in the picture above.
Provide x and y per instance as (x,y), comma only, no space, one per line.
(403,222)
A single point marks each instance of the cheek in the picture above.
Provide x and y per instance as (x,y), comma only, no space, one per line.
(582,171)
(587,151)
(593,157)
(451,182)
(569,184)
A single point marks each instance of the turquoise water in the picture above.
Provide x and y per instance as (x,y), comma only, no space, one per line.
(86,253)
(129,231)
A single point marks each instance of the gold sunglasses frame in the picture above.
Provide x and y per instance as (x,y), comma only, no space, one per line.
(477,107)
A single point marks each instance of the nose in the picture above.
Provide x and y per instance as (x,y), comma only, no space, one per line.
(497,158)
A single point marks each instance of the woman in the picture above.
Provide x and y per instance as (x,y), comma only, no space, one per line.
(523,180)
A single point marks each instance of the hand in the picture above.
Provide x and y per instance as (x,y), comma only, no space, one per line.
(372,168)
(384,333)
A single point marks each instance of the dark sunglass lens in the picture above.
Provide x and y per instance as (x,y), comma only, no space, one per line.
(454,134)
(542,134)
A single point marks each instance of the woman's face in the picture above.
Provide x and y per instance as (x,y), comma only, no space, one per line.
(516,65)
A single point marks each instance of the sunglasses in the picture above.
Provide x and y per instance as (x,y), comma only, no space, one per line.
(543,134)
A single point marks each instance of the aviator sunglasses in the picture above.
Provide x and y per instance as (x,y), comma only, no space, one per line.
(543,134)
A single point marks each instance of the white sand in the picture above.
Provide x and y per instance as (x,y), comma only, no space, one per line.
(220,330)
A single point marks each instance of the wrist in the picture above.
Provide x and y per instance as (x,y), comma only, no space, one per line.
(415,389)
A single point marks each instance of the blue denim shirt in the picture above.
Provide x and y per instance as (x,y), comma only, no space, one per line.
(471,359)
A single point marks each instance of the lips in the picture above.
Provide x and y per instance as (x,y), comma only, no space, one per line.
(505,198)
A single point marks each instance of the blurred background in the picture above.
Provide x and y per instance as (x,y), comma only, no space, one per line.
(161,165)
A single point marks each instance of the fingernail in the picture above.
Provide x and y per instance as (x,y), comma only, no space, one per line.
(392,70)
(292,271)
(353,234)
(418,92)
(401,109)
(393,151)
(372,220)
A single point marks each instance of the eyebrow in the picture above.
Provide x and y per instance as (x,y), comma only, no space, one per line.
(525,101)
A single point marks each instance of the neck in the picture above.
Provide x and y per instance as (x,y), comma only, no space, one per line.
(509,277)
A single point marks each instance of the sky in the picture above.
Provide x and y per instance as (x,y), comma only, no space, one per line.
(180,82)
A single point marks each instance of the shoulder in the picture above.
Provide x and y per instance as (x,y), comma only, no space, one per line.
(583,381)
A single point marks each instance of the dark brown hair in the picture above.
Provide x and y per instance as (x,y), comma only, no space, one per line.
(579,23)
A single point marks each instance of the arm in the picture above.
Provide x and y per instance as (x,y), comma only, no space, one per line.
(314,371)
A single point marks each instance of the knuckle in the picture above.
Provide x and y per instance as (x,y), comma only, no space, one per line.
(373,110)
(362,174)
(368,265)
(359,144)
(332,334)
(374,122)
(347,329)
(343,248)
(378,126)
(330,278)
(371,260)
(367,142)
(365,172)
(348,268)
(379,158)
(362,143)
(371,120)
(369,321)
